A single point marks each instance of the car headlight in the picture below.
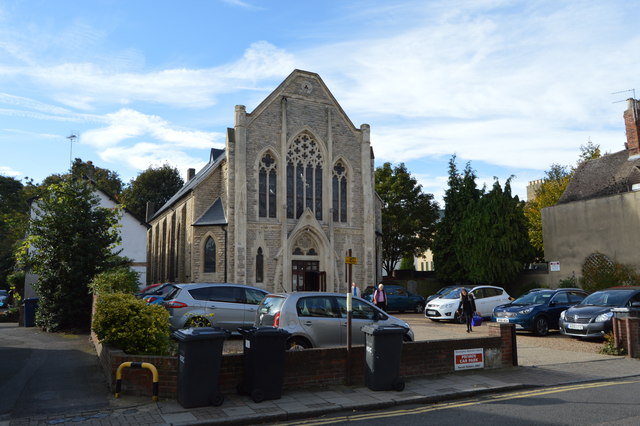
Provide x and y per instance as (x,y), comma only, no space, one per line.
(562,315)
(448,306)
(525,311)
(604,317)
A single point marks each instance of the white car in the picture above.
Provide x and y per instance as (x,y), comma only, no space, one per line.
(446,306)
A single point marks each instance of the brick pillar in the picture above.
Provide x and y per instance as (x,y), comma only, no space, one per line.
(632,128)
(507,334)
(633,337)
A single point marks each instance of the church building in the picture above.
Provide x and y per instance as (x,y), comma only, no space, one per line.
(288,205)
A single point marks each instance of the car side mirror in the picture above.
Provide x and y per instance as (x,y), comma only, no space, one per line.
(552,303)
(635,304)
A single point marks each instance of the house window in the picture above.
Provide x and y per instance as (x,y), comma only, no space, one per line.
(209,255)
(339,193)
(267,187)
(304,177)
(259,266)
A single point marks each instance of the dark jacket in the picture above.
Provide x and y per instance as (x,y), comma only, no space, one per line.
(467,303)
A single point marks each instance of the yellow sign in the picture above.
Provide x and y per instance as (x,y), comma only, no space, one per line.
(351,260)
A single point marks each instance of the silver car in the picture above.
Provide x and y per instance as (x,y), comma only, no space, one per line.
(319,319)
(223,305)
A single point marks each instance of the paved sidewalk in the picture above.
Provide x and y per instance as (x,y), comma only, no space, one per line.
(316,402)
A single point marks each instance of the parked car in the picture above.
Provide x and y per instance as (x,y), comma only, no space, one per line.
(319,319)
(538,310)
(399,299)
(4,298)
(593,316)
(224,305)
(147,290)
(445,307)
(157,294)
(440,292)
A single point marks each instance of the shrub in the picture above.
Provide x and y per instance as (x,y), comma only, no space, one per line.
(130,324)
(569,282)
(599,272)
(116,280)
(610,347)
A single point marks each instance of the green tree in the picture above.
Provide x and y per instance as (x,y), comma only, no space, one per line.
(553,186)
(408,215)
(547,195)
(407,264)
(493,237)
(14,215)
(71,240)
(105,180)
(154,185)
(460,198)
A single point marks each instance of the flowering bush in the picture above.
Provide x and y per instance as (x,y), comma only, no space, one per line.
(132,325)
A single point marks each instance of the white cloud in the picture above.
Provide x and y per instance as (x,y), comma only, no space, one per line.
(143,155)
(128,124)
(8,171)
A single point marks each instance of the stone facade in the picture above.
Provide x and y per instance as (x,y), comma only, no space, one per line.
(282,206)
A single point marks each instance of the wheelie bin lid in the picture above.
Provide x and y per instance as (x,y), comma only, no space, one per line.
(200,333)
(262,331)
(384,329)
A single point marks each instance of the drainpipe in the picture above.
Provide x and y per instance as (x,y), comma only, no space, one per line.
(224,229)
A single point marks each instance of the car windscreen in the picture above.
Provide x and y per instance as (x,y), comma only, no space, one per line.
(268,309)
(173,294)
(453,294)
(533,298)
(608,298)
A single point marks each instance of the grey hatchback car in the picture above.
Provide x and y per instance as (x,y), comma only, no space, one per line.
(319,319)
(223,305)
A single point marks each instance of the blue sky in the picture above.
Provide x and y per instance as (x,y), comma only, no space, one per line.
(511,86)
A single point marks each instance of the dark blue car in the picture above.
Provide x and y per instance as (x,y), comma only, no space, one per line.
(538,310)
(398,299)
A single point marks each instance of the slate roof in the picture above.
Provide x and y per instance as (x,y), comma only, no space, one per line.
(214,216)
(215,158)
(608,175)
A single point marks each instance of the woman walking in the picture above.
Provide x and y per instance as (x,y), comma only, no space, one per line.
(468,306)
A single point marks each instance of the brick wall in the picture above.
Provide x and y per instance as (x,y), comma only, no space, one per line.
(627,335)
(315,367)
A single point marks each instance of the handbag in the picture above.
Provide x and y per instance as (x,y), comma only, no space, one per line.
(476,320)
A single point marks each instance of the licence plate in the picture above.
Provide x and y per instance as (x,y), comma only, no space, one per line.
(502,320)
(431,312)
(575,326)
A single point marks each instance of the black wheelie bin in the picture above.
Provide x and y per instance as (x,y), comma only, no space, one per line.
(264,356)
(199,361)
(383,348)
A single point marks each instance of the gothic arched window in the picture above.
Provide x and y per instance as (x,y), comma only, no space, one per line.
(304,177)
(267,187)
(259,266)
(339,182)
(209,255)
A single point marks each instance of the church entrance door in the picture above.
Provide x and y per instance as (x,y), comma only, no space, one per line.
(306,276)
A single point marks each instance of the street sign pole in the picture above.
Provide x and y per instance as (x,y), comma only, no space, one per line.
(349,309)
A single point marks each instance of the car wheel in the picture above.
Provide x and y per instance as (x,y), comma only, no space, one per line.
(541,326)
(419,307)
(297,344)
(197,322)
(458,318)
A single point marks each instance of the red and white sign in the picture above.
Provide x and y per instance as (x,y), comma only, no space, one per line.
(465,359)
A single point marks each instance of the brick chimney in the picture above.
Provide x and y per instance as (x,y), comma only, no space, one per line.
(631,124)
(191,173)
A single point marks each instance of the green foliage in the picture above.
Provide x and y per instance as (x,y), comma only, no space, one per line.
(570,282)
(14,215)
(599,272)
(493,237)
(408,215)
(115,280)
(154,185)
(72,238)
(16,286)
(407,264)
(460,199)
(106,180)
(610,348)
(124,322)
(546,196)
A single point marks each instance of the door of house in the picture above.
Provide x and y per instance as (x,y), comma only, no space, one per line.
(305,275)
